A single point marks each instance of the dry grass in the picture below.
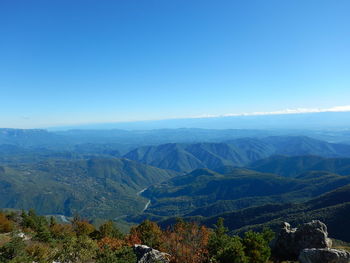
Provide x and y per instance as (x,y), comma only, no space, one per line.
(338,244)
(4,238)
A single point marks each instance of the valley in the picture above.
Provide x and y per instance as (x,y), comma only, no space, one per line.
(250,181)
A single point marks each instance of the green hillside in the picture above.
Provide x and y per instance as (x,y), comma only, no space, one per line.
(295,165)
(238,152)
(95,188)
(332,208)
(206,193)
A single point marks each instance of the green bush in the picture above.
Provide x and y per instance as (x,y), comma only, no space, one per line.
(253,248)
(77,249)
(149,233)
(256,246)
(122,255)
(233,252)
(13,250)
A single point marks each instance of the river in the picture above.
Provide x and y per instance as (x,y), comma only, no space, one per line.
(149,201)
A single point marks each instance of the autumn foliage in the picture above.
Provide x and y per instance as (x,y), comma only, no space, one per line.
(186,242)
(44,240)
(5,224)
(149,233)
(111,243)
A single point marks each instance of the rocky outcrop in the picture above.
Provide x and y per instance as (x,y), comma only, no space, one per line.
(291,241)
(324,255)
(146,254)
(23,236)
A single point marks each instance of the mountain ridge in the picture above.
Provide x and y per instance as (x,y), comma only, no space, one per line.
(239,152)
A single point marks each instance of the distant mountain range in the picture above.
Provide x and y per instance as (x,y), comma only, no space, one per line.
(294,166)
(301,121)
(125,140)
(252,178)
(239,152)
(190,148)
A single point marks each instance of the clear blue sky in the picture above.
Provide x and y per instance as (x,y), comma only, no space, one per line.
(71,61)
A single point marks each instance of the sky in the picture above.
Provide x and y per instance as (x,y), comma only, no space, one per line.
(66,62)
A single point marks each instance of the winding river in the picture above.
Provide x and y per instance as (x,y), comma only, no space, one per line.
(143,210)
(149,201)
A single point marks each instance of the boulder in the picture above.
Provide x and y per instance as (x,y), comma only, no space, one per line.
(147,254)
(291,241)
(23,236)
(324,255)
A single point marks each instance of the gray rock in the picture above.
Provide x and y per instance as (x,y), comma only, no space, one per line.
(147,254)
(23,236)
(291,241)
(324,255)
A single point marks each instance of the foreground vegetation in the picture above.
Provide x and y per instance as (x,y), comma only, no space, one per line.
(28,237)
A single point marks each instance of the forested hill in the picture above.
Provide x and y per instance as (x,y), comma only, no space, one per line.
(294,166)
(206,193)
(239,152)
(95,188)
(332,208)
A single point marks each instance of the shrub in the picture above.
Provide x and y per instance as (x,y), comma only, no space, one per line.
(111,243)
(109,229)
(253,248)
(218,238)
(12,250)
(83,227)
(61,231)
(39,252)
(6,225)
(77,249)
(257,245)
(233,252)
(187,242)
(121,255)
(148,233)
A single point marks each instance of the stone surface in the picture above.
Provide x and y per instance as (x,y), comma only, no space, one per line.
(23,236)
(324,255)
(291,241)
(147,254)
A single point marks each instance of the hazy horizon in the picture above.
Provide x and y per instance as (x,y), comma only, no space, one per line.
(249,120)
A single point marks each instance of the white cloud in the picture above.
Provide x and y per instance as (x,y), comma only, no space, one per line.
(285,111)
